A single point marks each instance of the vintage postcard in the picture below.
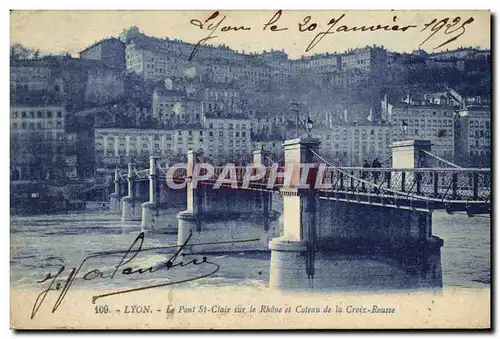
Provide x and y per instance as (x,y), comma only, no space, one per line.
(250,169)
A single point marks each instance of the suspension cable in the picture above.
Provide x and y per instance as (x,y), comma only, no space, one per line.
(386,159)
(407,194)
(160,167)
(440,159)
(365,181)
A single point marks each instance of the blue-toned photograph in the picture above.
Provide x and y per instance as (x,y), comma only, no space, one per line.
(283,150)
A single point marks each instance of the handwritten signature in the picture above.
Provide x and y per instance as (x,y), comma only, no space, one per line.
(124,267)
(216,24)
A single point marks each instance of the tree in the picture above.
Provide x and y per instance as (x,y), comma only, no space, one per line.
(137,90)
(20,52)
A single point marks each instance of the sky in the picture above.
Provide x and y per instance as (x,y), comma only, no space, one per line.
(73,31)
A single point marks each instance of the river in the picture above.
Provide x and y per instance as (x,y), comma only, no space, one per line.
(40,244)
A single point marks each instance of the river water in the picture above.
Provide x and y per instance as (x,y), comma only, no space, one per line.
(41,244)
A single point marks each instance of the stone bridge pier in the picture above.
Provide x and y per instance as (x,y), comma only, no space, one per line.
(225,218)
(145,199)
(115,197)
(150,209)
(263,202)
(131,203)
(334,244)
(189,221)
(292,254)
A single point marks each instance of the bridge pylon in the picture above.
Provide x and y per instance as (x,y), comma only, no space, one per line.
(131,209)
(325,224)
(263,199)
(407,153)
(150,209)
(114,198)
(292,254)
(189,221)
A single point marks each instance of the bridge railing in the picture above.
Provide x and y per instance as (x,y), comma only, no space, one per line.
(142,174)
(443,183)
(242,174)
(177,175)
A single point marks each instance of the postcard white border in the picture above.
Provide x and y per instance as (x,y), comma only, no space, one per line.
(151,4)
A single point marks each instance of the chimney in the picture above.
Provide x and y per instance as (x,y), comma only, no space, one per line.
(407,99)
(370,116)
(384,108)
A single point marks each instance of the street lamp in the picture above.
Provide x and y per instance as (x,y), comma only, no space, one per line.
(295,109)
(405,128)
(309,125)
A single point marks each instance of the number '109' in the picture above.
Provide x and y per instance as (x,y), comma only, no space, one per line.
(101,309)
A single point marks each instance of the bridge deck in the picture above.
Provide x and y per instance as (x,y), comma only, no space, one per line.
(450,189)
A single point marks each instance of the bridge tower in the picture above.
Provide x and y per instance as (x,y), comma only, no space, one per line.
(407,153)
(189,221)
(263,199)
(292,254)
(115,197)
(335,241)
(150,209)
(216,216)
(131,210)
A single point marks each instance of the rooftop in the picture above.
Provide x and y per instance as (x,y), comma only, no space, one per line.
(477,108)
(36,101)
(59,61)
(161,90)
(233,117)
(153,43)
(112,39)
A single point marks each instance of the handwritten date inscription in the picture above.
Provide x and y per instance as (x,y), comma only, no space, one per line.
(441,30)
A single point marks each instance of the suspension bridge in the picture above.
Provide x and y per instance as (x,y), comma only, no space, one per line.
(353,211)
(447,187)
